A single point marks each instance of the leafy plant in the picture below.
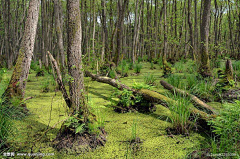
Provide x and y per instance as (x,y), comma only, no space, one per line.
(134,130)
(126,98)
(180,117)
(75,124)
(2,71)
(175,80)
(179,66)
(137,68)
(203,88)
(149,79)
(5,125)
(123,68)
(145,58)
(130,65)
(191,81)
(227,128)
(139,86)
(45,86)
(112,74)
(152,66)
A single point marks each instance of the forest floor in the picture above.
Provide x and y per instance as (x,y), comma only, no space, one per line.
(47,109)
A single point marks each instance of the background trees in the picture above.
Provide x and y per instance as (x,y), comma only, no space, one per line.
(113,30)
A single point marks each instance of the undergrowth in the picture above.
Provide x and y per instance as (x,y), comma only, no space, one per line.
(226,127)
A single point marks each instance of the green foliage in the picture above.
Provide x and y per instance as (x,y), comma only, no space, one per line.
(134,130)
(140,59)
(137,68)
(34,66)
(152,66)
(179,66)
(5,125)
(175,80)
(191,81)
(123,68)
(227,128)
(112,74)
(45,86)
(160,62)
(75,124)
(150,79)
(203,88)
(236,65)
(2,71)
(126,98)
(144,58)
(130,65)
(139,86)
(180,117)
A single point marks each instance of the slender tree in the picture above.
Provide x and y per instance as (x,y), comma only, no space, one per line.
(204,69)
(59,31)
(19,77)
(74,57)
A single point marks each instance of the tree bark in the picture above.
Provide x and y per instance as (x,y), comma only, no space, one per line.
(74,57)
(19,77)
(59,31)
(204,69)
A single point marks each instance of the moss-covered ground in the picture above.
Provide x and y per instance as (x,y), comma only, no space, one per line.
(47,109)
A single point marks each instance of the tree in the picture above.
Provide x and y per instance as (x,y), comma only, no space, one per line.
(121,12)
(74,57)
(166,68)
(59,31)
(204,69)
(19,77)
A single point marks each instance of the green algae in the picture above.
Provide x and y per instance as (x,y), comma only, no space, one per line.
(47,109)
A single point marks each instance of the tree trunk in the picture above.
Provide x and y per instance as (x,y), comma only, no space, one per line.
(190,29)
(59,31)
(19,77)
(167,69)
(204,69)
(74,57)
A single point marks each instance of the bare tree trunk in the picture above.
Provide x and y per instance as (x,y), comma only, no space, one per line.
(74,56)
(121,6)
(205,62)
(59,31)
(190,29)
(19,77)
(167,69)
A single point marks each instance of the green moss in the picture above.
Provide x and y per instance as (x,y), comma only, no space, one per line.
(48,109)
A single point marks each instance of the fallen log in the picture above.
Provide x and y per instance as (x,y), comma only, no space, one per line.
(194,99)
(148,95)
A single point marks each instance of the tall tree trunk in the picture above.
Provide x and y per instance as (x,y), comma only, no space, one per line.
(121,7)
(17,84)
(190,29)
(74,57)
(195,29)
(105,32)
(136,32)
(204,69)
(59,31)
(167,69)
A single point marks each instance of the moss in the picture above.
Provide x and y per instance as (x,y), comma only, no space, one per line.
(150,127)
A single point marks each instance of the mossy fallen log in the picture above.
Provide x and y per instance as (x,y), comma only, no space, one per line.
(193,98)
(149,95)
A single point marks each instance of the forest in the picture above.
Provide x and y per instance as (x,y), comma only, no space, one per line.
(120,79)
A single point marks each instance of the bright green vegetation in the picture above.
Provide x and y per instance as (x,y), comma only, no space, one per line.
(48,109)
